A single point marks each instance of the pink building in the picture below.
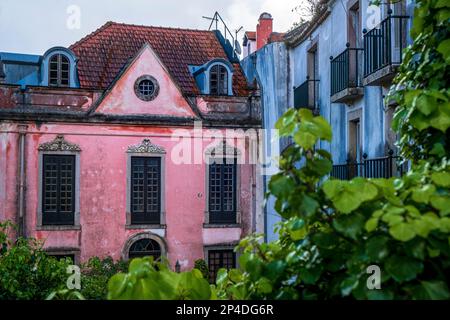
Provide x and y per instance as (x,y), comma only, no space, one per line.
(119,146)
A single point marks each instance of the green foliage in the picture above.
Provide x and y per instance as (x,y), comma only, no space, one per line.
(96,274)
(333,231)
(27,273)
(422,86)
(149,280)
(201,265)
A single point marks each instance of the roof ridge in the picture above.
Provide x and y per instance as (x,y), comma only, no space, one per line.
(93,33)
(159,27)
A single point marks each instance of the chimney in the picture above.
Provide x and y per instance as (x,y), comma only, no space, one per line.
(264,30)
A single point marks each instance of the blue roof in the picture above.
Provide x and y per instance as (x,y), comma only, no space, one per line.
(19,58)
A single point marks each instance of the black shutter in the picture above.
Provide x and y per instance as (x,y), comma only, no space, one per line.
(58,190)
(145,190)
(222,191)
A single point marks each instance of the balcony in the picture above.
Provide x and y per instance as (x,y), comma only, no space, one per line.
(386,167)
(383,48)
(306,95)
(346,82)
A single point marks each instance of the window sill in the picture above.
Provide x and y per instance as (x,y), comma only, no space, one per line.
(221,226)
(58,228)
(146,226)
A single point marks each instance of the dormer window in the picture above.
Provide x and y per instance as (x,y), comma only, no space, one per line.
(218,78)
(59,71)
(214,78)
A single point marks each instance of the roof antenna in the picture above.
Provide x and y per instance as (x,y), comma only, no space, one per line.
(215,18)
(237,45)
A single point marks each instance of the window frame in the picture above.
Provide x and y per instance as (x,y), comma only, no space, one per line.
(141,236)
(220,248)
(208,68)
(222,84)
(40,212)
(146,215)
(59,70)
(230,153)
(146,150)
(219,217)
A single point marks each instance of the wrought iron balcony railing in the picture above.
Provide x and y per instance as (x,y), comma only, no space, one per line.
(383,45)
(346,70)
(386,167)
(306,95)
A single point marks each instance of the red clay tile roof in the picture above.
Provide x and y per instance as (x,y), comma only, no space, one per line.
(103,53)
(276,37)
(251,35)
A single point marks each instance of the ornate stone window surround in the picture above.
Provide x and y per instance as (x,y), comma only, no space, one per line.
(144,235)
(59,146)
(146,149)
(223,151)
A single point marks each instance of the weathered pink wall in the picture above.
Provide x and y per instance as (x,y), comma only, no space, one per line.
(122,100)
(103,164)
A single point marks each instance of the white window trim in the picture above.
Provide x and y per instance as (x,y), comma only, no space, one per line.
(230,77)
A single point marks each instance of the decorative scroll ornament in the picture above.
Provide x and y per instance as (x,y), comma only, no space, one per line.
(223,149)
(59,144)
(146,147)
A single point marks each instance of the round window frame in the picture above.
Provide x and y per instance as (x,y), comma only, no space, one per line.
(146,97)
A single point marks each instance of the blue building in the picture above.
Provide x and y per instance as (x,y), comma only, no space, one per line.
(340,65)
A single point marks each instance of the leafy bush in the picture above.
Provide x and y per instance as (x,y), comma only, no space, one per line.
(336,230)
(96,274)
(27,272)
(201,265)
(149,280)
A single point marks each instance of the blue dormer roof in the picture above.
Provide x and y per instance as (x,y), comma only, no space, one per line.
(201,75)
(32,70)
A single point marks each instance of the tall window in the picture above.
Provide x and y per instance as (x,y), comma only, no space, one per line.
(218,80)
(145,190)
(59,71)
(219,259)
(145,248)
(58,203)
(222,191)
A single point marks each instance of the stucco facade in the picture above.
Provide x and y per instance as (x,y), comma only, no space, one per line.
(362,123)
(104,128)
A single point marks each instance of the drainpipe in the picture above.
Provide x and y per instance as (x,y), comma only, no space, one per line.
(21,181)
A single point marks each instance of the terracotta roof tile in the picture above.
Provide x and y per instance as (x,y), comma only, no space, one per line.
(251,35)
(103,53)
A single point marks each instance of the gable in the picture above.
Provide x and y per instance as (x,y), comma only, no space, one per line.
(122,99)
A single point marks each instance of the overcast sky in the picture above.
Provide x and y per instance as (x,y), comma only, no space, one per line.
(33,26)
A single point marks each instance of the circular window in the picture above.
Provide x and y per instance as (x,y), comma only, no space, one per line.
(146,88)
